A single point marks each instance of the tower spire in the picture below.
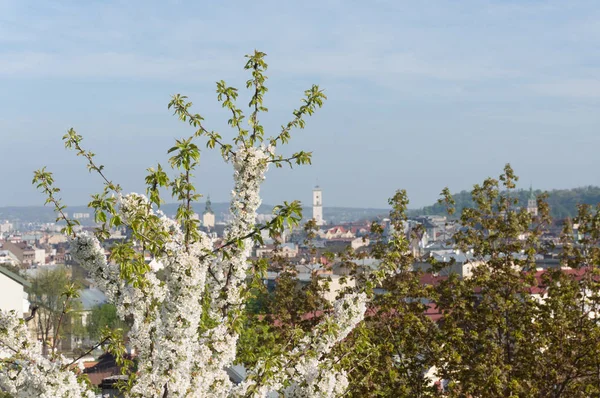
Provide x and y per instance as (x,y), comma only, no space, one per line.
(532,202)
(207,206)
(531,194)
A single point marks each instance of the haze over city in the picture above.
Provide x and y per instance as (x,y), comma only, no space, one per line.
(421,95)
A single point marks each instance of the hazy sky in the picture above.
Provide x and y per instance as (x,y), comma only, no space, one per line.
(422,94)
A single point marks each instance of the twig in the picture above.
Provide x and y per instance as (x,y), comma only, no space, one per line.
(87,352)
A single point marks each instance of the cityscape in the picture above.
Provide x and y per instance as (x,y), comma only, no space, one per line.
(320,199)
(33,251)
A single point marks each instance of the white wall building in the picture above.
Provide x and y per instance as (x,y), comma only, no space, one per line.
(288,250)
(40,256)
(7,257)
(318,206)
(6,227)
(359,242)
(336,233)
(208,217)
(13,295)
(208,220)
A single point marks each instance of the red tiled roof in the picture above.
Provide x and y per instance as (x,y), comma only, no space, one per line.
(431,279)
(575,273)
(433,313)
(90,364)
(96,378)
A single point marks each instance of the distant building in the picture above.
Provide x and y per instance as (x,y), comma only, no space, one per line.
(208,217)
(104,373)
(532,203)
(5,227)
(7,257)
(21,250)
(337,232)
(318,206)
(39,256)
(53,239)
(288,250)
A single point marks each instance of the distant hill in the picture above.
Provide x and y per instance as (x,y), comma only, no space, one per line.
(41,214)
(563,202)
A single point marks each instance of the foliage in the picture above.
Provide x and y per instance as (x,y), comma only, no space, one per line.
(509,330)
(563,202)
(390,353)
(287,313)
(103,316)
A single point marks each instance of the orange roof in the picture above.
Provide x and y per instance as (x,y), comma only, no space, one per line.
(90,364)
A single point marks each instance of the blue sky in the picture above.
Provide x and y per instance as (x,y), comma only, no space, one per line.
(422,95)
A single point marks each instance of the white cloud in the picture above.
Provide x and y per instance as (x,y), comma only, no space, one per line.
(570,88)
(361,42)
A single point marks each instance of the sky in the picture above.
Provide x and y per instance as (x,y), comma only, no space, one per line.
(421,95)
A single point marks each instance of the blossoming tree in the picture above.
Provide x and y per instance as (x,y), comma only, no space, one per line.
(186,305)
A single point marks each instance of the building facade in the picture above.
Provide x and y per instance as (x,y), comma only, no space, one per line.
(208,217)
(13,297)
(318,206)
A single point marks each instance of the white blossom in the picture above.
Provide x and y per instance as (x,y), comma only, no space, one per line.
(176,353)
(25,372)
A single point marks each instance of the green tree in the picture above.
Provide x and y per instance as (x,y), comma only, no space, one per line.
(569,335)
(101,316)
(509,330)
(55,297)
(390,353)
(489,344)
(506,330)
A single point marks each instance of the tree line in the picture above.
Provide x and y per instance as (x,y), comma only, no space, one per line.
(563,202)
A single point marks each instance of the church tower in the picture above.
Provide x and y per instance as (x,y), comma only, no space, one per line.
(318,206)
(532,203)
(208,217)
